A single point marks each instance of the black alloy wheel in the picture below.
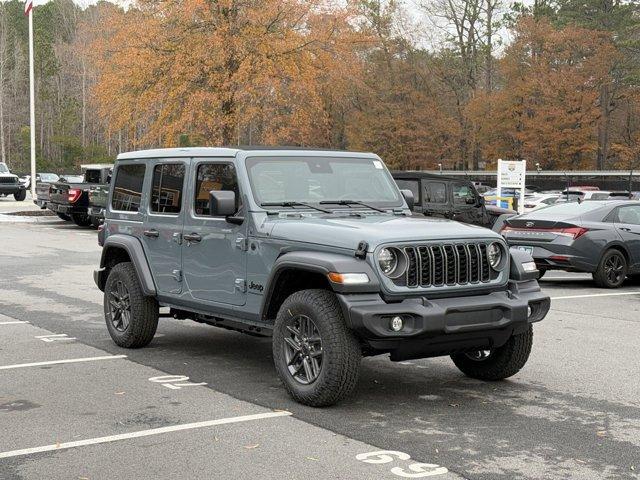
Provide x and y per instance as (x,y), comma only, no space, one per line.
(614,268)
(303,349)
(120,306)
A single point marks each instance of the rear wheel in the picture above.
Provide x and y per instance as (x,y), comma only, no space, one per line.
(612,269)
(64,217)
(131,317)
(541,272)
(20,196)
(316,356)
(497,363)
(81,219)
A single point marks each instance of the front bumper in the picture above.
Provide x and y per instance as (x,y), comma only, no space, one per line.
(10,188)
(434,327)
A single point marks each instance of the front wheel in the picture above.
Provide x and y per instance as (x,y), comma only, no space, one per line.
(132,318)
(81,219)
(316,356)
(20,196)
(497,363)
(612,269)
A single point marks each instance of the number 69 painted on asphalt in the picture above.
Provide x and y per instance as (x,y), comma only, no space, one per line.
(417,470)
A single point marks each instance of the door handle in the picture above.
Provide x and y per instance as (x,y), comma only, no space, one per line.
(625,229)
(192,237)
(151,233)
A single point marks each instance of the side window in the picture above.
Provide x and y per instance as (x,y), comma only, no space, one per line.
(413,185)
(436,192)
(167,187)
(127,190)
(214,176)
(463,194)
(630,214)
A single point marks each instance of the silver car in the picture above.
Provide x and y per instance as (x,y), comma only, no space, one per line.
(599,237)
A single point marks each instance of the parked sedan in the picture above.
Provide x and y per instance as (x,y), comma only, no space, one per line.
(599,237)
(538,201)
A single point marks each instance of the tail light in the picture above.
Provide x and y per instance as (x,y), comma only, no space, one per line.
(74,194)
(573,232)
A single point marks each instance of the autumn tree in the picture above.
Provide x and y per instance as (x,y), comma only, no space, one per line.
(547,110)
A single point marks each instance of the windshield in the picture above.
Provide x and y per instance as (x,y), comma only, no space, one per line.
(72,178)
(321,179)
(48,177)
(3,168)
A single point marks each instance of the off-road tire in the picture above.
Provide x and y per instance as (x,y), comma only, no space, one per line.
(95,222)
(541,272)
(81,219)
(64,217)
(341,349)
(600,276)
(144,310)
(503,362)
(20,196)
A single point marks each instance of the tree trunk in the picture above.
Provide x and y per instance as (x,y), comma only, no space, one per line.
(604,126)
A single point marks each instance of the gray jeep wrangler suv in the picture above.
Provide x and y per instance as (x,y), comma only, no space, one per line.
(317,249)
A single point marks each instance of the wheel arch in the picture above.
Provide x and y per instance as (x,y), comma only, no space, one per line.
(123,248)
(620,247)
(297,271)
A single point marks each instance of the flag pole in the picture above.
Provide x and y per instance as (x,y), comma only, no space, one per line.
(32,108)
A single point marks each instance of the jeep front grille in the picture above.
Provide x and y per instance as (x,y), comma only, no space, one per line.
(447,265)
(8,180)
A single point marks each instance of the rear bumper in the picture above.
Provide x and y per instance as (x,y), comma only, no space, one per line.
(66,209)
(434,327)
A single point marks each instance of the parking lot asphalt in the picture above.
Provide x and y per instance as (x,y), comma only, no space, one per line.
(572,412)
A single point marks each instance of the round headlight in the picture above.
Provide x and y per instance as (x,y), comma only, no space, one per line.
(494,255)
(388,260)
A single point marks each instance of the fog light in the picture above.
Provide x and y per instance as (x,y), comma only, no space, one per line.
(396,324)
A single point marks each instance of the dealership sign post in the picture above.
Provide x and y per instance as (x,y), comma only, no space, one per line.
(511,174)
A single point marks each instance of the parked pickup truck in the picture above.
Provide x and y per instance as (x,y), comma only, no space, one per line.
(70,199)
(453,198)
(43,183)
(10,185)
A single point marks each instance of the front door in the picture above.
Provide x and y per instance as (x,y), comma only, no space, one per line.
(163,225)
(465,204)
(627,224)
(214,250)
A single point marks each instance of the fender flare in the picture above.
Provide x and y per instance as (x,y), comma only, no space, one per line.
(134,249)
(323,263)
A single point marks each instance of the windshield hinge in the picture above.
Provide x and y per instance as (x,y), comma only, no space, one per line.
(242,243)
(241,284)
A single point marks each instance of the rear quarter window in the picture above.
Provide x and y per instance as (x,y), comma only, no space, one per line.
(127,188)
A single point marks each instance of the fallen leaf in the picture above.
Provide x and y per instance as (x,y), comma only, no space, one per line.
(314,459)
(250,447)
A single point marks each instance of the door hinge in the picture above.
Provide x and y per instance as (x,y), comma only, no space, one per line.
(177,275)
(241,284)
(242,243)
(177,237)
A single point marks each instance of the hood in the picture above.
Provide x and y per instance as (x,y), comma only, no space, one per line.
(348,231)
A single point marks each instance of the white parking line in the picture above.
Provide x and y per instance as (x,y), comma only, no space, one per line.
(616,294)
(16,322)
(68,360)
(142,433)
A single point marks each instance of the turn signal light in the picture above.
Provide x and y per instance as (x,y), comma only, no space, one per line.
(74,194)
(348,278)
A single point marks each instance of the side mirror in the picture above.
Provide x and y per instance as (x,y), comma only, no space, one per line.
(222,203)
(408,197)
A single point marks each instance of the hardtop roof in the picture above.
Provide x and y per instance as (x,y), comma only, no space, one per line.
(233,151)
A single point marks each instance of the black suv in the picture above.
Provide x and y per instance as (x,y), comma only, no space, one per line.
(448,197)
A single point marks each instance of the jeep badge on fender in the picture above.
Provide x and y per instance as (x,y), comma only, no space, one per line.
(337,266)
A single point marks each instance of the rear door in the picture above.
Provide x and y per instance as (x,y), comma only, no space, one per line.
(627,223)
(162,229)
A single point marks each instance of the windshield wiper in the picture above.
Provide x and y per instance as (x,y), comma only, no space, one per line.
(352,202)
(294,204)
